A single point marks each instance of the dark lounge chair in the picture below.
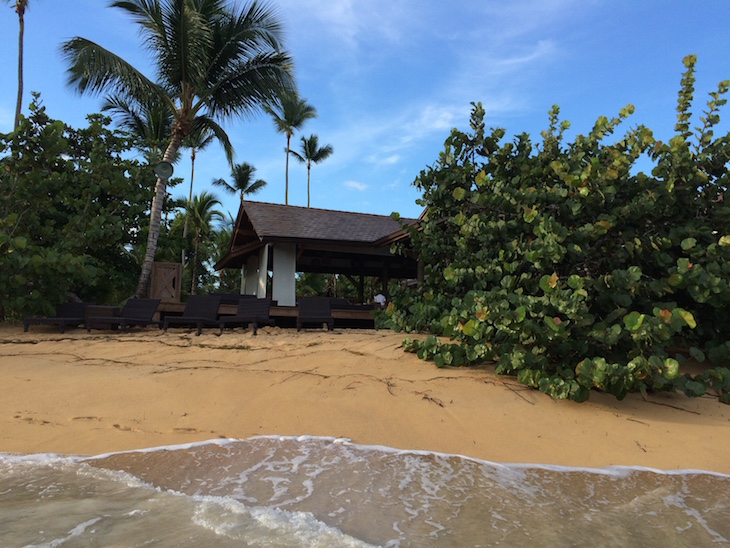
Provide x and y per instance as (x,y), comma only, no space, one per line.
(314,310)
(67,314)
(200,311)
(253,312)
(135,312)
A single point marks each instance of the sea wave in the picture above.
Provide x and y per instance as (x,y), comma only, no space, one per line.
(316,491)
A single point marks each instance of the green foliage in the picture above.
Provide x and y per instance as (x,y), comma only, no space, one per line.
(70,208)
(568,265)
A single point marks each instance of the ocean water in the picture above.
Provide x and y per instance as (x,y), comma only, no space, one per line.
(312,492)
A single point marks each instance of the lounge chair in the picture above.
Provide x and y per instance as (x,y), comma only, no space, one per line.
(67,314)
(253,312)
(135,312)
(315,310)
(200,311)
(232,298)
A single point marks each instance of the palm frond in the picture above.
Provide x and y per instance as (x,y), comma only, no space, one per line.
(149,120)
(94,69)
(204,125)
(249,84)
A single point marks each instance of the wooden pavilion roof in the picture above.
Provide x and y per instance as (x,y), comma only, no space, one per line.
(327,241)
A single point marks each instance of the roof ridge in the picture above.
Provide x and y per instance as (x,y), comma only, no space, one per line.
(314,209)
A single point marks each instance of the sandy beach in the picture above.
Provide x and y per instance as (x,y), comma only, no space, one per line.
(88,394)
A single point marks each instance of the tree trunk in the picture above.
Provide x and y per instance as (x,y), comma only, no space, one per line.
(195,265)
(19,101)
(155,218)
(190,199)
(286,175)
(309,167)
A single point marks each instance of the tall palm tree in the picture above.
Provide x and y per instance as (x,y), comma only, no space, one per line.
(196,141)
(289,114)
(214,61)
(312,153)
(20,7)
(242,181)
(201,213)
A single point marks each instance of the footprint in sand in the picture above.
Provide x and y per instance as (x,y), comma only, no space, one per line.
(32,420)
(125,428)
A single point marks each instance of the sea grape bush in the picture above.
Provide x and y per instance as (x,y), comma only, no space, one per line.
(571,267)
(71,205)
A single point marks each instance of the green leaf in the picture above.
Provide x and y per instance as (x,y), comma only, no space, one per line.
(520,313)
(688,243)
(671,368)
(548,283)
(724,241)
(480,179)
(468,328)
(697,354)
(688,318)
(633,321)
(553,323)
(675,280)
(20,242)
(529,214)
(459,193)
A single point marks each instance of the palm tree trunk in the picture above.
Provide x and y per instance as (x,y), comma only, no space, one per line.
(21,31)
(286,190)
(309,168)
(195,265)
(155,218)
(190,199)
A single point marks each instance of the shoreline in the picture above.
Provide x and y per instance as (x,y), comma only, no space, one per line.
(99,393)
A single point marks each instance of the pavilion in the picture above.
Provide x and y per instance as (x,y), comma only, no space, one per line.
(288,239)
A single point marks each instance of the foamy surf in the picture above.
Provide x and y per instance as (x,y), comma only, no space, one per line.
(305,491)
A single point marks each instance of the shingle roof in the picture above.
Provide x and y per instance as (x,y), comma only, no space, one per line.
(292,222)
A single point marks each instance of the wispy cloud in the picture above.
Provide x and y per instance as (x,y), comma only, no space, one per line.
(354,185)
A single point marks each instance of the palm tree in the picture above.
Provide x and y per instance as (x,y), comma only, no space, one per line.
(242,176)
(289,114)
(195,142)
(312,154)
(20,7)
(201,214)
(199,141)
(213,61)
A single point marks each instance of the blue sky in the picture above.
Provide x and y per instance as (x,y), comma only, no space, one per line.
(391,78)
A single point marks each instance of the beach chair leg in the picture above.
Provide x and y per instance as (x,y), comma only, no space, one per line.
(255,326)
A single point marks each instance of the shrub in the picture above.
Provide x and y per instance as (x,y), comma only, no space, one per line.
(571,267)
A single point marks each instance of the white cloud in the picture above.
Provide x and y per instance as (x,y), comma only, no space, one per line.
(354,185)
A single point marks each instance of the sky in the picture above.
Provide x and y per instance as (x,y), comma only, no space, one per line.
(391,78)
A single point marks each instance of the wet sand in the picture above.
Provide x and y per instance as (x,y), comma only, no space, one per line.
(103,392)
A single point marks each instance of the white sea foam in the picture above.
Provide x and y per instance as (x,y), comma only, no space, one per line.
(317,491)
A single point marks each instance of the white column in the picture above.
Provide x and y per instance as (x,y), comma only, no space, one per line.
(251,282)
(285,263)
(263,272)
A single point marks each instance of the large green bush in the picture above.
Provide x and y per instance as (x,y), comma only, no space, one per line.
(572,267)
(71,206)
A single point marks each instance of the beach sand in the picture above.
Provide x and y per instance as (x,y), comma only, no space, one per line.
(88,394)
